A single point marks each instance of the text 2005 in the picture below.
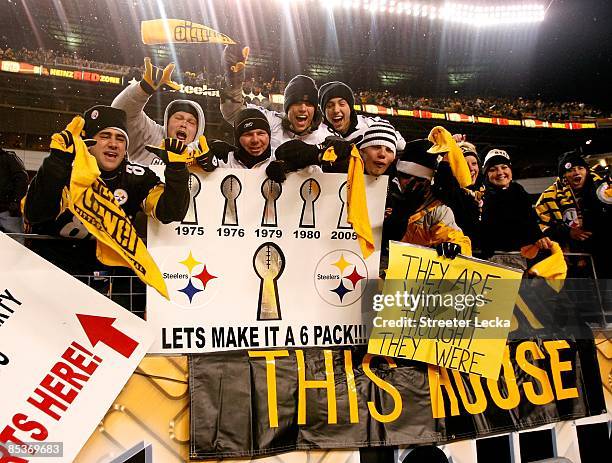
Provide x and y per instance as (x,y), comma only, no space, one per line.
(189,230)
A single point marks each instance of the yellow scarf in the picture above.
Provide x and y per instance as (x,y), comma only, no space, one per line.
(357,213)
(96,207)
(553,267)
(444,143)
(358,205)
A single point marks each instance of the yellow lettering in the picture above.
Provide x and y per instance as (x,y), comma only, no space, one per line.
(556,367)
(512,390)
(480,401)
(328,383)
(547,394)
(270,357)
(351,388)
(438,379)
(385,386)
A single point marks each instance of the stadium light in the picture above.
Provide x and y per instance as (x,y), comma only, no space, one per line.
(464,13)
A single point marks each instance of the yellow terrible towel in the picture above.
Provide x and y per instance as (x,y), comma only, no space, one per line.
(358,205)
(444,143)
(94,204)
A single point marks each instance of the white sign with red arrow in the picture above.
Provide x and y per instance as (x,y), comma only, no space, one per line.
(66,352)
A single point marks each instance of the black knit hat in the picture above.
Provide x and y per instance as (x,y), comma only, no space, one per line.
(101,117)
(416,161)
(179,106)
(300,88)
(335,90)
(250,119)
(569,160)
(495,157)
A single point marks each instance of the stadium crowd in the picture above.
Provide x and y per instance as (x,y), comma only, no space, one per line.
(442,192)
(516,108)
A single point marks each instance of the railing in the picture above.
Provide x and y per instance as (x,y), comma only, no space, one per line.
(588,287)
(126,290)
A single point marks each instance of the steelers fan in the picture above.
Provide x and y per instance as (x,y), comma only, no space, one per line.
(135,187)
(414,214)
(337,102)
(576,212)
(377,147)
(183,119)
(252,135)
(301,119)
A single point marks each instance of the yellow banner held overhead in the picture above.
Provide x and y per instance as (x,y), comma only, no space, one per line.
(162,31)
(454,313)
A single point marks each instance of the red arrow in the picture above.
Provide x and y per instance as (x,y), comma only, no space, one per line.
(100,329)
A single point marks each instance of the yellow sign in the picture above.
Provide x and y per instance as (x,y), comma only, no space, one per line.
(455,313)
(162,31)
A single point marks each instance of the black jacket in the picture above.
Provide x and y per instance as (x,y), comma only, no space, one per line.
(509,221)
(463,204)
(13,181)
(131,183)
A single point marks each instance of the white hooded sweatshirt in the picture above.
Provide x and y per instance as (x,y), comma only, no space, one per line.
(143,130)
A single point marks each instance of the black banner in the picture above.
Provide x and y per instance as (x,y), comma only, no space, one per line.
(250,403)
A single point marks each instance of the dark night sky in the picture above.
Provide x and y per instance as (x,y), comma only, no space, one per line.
(574,51)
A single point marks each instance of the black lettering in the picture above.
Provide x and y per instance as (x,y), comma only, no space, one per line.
(200,339)
(218,336)
(177,338)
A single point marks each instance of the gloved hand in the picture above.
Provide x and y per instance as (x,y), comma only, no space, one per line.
(64,141)
(221,149)
(336,154)
(234,61)
(155,78)
(210,157)
(14,209)
(448,249)
(297,155)
(276,171)
(171,150)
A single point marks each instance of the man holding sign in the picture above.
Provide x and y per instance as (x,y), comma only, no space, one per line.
(414,213)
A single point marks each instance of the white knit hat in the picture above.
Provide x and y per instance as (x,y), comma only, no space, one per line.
(380,133)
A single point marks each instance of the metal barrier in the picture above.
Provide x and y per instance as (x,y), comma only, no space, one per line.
(117,283)
(590,288)
(126,290)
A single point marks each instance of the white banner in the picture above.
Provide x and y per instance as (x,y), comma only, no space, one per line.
(258,264)
(65,353)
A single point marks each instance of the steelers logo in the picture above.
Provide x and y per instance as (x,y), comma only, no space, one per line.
(95,114)
(340,278)
(121,196)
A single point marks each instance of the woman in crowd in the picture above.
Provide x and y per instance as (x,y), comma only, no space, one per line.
(508,220)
